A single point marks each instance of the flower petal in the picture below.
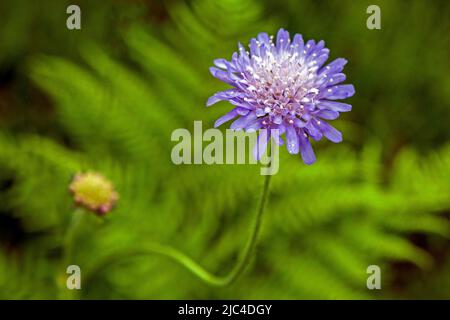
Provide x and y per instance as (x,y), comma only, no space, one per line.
(330,132)
(327,114)
(276,135)
(261,144)
(298,39)
(239,103)
(254,125)
(320,60)
(223,95)
(230,115)
(299,123)
(313,131)
(306,149)
(264,38)
(335,79)
(243,122)
(292,145)
(333,67)
(282,40)
(334,106)
(310,46)
(212,100)
(338,92)
(222,75)
(221,63)
(254,47)
(242,111)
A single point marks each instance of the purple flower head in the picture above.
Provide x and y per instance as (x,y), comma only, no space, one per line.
(284,85)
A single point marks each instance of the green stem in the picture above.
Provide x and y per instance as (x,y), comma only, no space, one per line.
(193,266)
(68,249)
(70,235)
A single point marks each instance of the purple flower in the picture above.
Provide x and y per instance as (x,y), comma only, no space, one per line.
(285,86)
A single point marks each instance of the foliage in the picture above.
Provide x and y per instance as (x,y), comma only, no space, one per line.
(115,110)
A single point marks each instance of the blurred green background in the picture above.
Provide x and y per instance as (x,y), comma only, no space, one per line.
(108,96)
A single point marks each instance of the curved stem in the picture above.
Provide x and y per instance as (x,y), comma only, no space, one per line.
(70,235)
(68,248)
(193,266)
(252,240)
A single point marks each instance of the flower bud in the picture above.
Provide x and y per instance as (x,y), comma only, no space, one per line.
(94,192)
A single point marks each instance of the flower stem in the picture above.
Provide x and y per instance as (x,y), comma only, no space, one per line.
(71,233)
(69,237)
(193,266)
